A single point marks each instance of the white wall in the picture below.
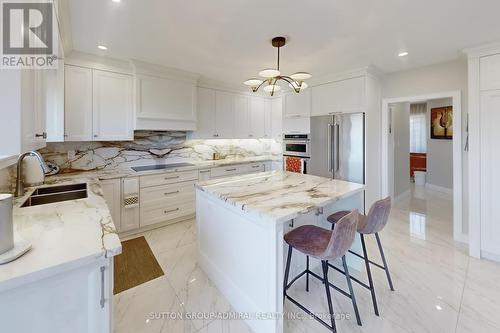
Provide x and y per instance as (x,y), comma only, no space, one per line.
(439,152)
(401,147)
(433,79)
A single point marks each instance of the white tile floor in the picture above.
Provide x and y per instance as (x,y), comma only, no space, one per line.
(438,287)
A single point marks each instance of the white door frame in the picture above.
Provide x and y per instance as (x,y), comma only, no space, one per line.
(458,233)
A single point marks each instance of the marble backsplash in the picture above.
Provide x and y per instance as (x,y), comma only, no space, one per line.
(149,148)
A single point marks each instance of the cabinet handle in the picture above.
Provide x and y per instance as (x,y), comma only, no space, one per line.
(230,169)
(103,300)
(95,135)
(255,166)
(43,135)
(169,193)
(170,211)
(168,178)
(250,135)
(204,171)
(291,223)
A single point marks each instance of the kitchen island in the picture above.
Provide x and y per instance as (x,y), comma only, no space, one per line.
(241,222)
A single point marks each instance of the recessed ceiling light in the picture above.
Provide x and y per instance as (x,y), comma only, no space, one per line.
(116,0)
(102,47)
(403,54)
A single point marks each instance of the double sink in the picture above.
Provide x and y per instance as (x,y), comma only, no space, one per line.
(46,195)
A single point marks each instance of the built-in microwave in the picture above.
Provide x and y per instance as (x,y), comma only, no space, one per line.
(296,145)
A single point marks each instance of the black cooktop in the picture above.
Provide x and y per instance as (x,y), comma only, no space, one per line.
(161,166)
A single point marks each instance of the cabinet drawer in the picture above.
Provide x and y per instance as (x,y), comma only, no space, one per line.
(168,178)
(160,214)
(167,195)
(253,167)
(226,171)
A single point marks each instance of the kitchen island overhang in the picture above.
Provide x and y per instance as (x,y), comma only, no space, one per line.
(241,222)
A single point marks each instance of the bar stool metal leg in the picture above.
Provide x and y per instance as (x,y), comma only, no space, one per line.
(324,263)
(351,291)
(287,272)
(307,273)
(369,273)
(384,261)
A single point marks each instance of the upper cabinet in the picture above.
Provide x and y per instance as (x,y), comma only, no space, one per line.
(276,118)
(23,128)
(241,117)
(112,106)
(297,105)
(226,115)
(98,105)
(171,103)
(77,103)
(346,96)
(165,98)
(490,72)
(206,114)
(258,115)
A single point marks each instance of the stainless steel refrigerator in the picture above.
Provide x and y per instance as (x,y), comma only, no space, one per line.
(338,147)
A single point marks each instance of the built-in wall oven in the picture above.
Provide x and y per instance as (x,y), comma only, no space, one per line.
(296,152)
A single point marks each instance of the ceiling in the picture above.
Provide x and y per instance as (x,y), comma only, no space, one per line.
(229,40)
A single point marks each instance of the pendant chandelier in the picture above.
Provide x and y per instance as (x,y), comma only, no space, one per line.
(273,75)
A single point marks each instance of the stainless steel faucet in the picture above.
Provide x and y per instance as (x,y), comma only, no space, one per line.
(19,181)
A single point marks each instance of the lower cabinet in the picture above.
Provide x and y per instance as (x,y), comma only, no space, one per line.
(112,192)
(137,202)
(75,300)
(166,202)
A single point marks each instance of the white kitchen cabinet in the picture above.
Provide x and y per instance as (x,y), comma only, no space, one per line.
(111,189)
(112,110)
(129,203)
(257,114)
(296,125)
(204,174)
(224,115)
(490,178)
(78,103)
(23,127)
(84,294)
(55,103)
(98,105)
(297,105)
(268,119)
(206,114)
(165,104)
(346,96)
(490,72)
(241,117)
(277,118)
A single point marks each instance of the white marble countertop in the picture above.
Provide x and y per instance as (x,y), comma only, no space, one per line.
(128,172)
(64,235)
(279,196)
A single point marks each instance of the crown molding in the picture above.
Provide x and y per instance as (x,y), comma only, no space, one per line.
(82,59)
(149,69)
(482,50)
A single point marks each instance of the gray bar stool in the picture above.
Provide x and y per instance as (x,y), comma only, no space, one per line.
(324,245)
(373,223)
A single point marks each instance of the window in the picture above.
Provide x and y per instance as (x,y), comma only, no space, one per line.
(418,128)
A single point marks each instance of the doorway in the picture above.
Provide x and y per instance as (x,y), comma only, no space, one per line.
(449,133)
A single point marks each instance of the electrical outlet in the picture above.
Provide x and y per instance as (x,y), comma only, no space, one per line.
(71,154)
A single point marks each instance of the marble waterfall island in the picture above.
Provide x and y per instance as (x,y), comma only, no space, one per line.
(241,222)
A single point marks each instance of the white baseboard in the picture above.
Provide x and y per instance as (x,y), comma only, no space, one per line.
(402,195)
(490,256)
(439,188)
